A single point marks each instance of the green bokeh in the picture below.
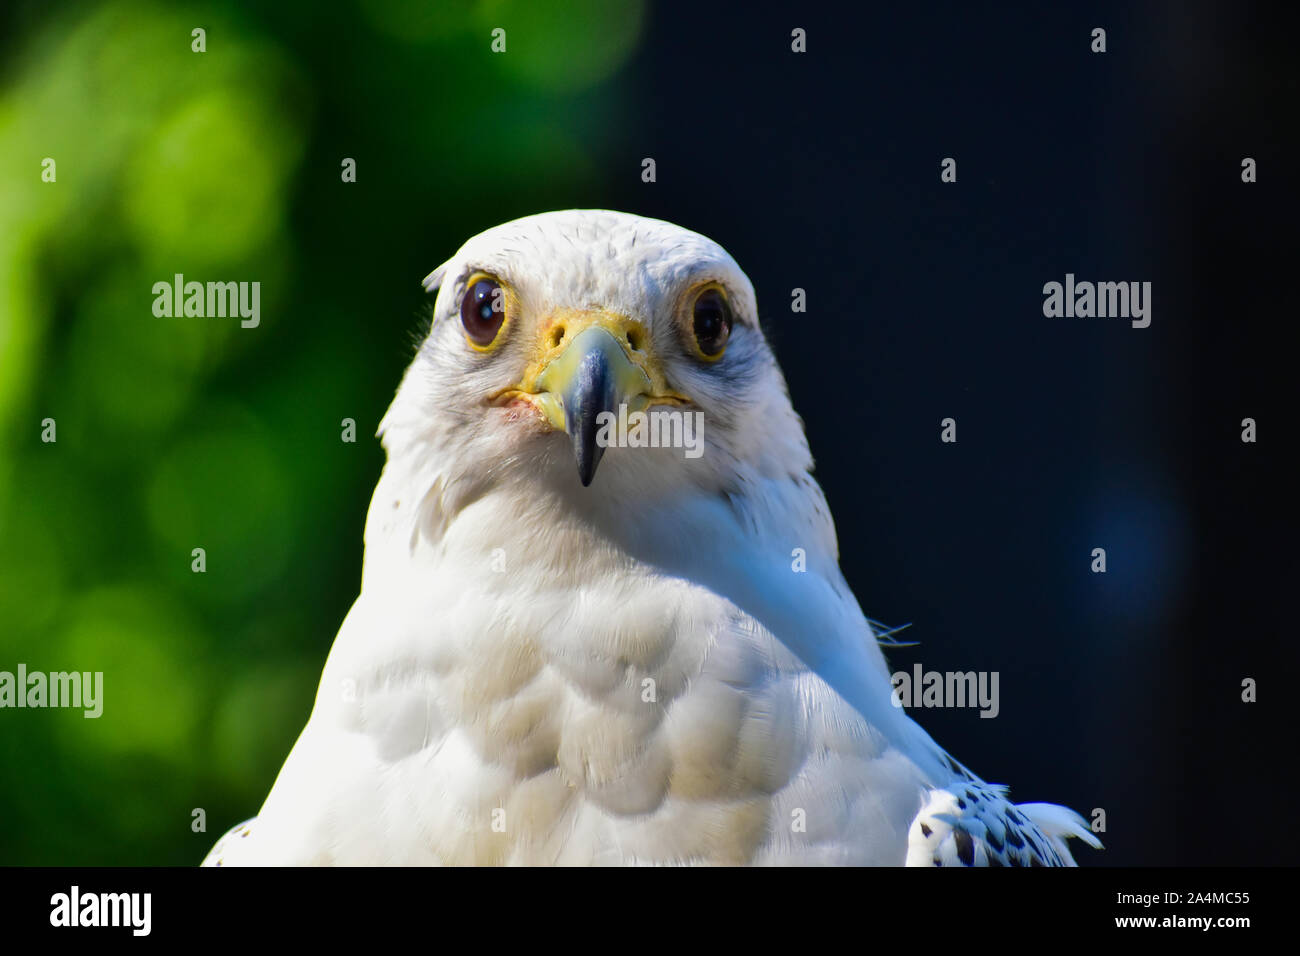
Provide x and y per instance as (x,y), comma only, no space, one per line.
(176,433)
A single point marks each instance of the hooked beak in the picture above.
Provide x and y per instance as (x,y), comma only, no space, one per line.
(586,384)
(588,366)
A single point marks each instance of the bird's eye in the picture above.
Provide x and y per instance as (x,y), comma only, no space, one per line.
(712,322)
(482,311)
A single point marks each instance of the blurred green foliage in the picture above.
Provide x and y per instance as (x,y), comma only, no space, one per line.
(179,433)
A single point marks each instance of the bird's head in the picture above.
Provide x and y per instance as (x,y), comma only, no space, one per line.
(556,337)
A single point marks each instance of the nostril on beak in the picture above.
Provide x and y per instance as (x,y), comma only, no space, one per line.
(557,336)
(634,340)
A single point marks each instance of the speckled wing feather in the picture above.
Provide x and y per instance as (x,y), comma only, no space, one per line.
(971,823)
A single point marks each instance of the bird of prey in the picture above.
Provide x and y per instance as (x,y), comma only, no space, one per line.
(572,646)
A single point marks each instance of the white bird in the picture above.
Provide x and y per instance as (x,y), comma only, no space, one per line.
(546,665)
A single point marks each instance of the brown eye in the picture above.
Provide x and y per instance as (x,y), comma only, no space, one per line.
(482,311)
(712,322)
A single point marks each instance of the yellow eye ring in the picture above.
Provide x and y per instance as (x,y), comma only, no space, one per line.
(485,310)
(708,320)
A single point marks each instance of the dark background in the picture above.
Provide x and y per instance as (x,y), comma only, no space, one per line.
(1120,691)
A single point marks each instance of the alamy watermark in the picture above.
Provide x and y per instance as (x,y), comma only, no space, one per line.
(1086,300)
(215,299)
(923,688)
(656,428)
(129,910)
(55,689)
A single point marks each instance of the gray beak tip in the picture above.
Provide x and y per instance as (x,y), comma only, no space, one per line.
(591,394)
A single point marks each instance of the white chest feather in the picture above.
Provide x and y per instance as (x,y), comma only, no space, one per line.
(482,707)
